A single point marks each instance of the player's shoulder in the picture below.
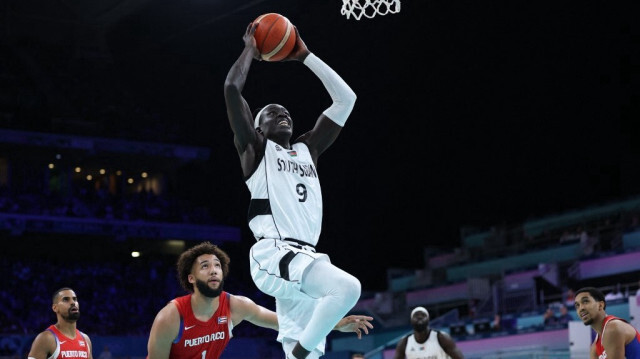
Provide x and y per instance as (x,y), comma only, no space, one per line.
(167,321)
(242,307)
(47,334)
(619,325)
(443,337)
(616,322)
(403,342)
(239,301)
(169,313)
(302,139)
(45,338)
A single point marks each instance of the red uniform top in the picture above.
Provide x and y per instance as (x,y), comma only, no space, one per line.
(202,340)
(67,348)
(631,350)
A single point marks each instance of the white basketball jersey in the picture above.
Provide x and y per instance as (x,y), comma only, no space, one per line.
(286,201)
(430,349)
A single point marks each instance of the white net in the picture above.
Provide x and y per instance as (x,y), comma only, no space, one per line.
(369,8)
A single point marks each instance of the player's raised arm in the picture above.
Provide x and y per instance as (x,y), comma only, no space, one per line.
(238,111)
(331,121)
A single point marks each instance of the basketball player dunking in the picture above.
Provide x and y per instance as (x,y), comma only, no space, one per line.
(285,213)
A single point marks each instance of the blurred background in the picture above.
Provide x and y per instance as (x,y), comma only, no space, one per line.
(490,164)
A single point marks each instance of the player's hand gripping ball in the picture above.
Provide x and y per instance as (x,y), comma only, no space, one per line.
(275,36)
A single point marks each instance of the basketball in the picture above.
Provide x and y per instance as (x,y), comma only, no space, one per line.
(275,36)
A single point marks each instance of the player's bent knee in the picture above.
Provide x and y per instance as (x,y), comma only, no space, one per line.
(351,290)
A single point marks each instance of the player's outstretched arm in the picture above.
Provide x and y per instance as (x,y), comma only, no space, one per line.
(164,330)
(238,111)
(356,324)
(243,308)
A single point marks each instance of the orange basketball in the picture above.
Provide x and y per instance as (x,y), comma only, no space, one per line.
(275,36)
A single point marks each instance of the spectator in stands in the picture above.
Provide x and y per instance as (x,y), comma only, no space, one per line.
(473,308)
(614,294)
(564,318)
(496,325)
(621,341)
(210,311)
(569,298)
(568,236)
(62,337)
(425,342)
(587,243)
(550,318)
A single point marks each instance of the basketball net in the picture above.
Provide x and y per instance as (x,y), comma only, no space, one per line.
(369,8)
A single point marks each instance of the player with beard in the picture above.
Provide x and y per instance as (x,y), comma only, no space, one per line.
(422,345)
(63,339)
(622,340)
(198,325)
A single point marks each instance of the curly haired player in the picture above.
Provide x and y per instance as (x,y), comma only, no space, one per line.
(199,325)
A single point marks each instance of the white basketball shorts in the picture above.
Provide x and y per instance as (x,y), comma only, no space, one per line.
(277,267)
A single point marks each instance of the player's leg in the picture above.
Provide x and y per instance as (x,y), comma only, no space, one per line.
(289,344)
(293,318)
(337,292)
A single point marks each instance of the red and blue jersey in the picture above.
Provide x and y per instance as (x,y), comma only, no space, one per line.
(69,348)
(202,340)
(631,350)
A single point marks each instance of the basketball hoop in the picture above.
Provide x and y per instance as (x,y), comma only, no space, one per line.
(369,8)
